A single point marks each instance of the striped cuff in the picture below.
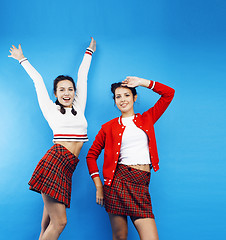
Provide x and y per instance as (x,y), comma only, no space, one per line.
(22,60)
(95,174)
(151,85)
(89,51)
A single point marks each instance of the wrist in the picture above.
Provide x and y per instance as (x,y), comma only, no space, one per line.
(144,82)
(151,84)
(20,57)
(22,60)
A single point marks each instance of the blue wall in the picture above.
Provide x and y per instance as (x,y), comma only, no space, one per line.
(180,43)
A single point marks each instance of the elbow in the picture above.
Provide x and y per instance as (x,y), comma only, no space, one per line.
(172,93)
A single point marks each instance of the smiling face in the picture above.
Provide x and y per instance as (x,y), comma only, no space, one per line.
(124,100)
(65,93)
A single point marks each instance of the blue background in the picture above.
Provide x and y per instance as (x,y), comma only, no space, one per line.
(180,43)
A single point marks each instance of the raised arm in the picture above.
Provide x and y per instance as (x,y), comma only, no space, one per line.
(167,94)
(43,96)
(81,87)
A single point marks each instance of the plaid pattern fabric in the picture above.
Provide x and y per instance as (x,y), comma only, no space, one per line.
(128,195)
(53,174)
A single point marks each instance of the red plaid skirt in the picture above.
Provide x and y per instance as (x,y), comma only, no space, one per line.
(53,174)
(129,195)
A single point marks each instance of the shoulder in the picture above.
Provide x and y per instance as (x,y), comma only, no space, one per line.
(110,123)
(145,116)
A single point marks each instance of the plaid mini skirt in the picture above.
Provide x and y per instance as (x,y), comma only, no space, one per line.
(53,174)
(129,193)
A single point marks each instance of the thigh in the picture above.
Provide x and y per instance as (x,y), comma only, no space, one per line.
(119,226)
(146,228)
(55,209)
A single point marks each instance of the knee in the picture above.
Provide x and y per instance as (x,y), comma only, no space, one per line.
(120,235)
(60,224)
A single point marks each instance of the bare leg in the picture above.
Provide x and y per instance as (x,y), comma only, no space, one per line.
(58,218)
(146,228)
(119,226)
(45,222)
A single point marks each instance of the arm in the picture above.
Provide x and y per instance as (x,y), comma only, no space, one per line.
(167,94)
(91,159)
(81,87)
(43,96)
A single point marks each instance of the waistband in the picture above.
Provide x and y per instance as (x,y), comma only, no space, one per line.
(133,175)
(70,137)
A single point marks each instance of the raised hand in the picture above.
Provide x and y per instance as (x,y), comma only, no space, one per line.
(16,53)
(131,81)
(92,44)
(135,81)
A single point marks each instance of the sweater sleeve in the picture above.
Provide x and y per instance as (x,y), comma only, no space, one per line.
(94,152)
(167,94)
(81,87)
(43,97)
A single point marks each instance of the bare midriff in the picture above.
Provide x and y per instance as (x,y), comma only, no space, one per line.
(142,167)
(73,147)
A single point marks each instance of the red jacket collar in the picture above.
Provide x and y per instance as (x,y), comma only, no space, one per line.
(120,119)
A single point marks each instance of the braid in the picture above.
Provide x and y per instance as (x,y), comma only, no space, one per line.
(73,111)
(62,109)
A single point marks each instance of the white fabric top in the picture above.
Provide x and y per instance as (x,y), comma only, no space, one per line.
(66,127)
(134,147)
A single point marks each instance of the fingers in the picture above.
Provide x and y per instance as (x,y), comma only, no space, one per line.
(100,201)
(131,81)
(100,195)
(92,44)
(128,80)
(15,48)
(10,52)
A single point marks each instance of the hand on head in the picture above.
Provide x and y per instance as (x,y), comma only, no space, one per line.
(92,44)
(16,53)
(131,81)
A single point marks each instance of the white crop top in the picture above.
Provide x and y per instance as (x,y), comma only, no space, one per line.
(66,127)
(134,147)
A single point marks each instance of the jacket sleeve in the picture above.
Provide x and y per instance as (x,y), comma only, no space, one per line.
(94,152)
(167,94)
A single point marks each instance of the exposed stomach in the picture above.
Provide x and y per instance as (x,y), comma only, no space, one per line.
(73,147)
(143,167)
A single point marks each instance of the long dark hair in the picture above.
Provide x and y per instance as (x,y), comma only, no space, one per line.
(55,82)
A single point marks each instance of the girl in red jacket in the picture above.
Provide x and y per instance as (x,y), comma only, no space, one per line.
(130,153)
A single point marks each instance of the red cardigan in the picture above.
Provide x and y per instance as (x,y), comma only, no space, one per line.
(109,137)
